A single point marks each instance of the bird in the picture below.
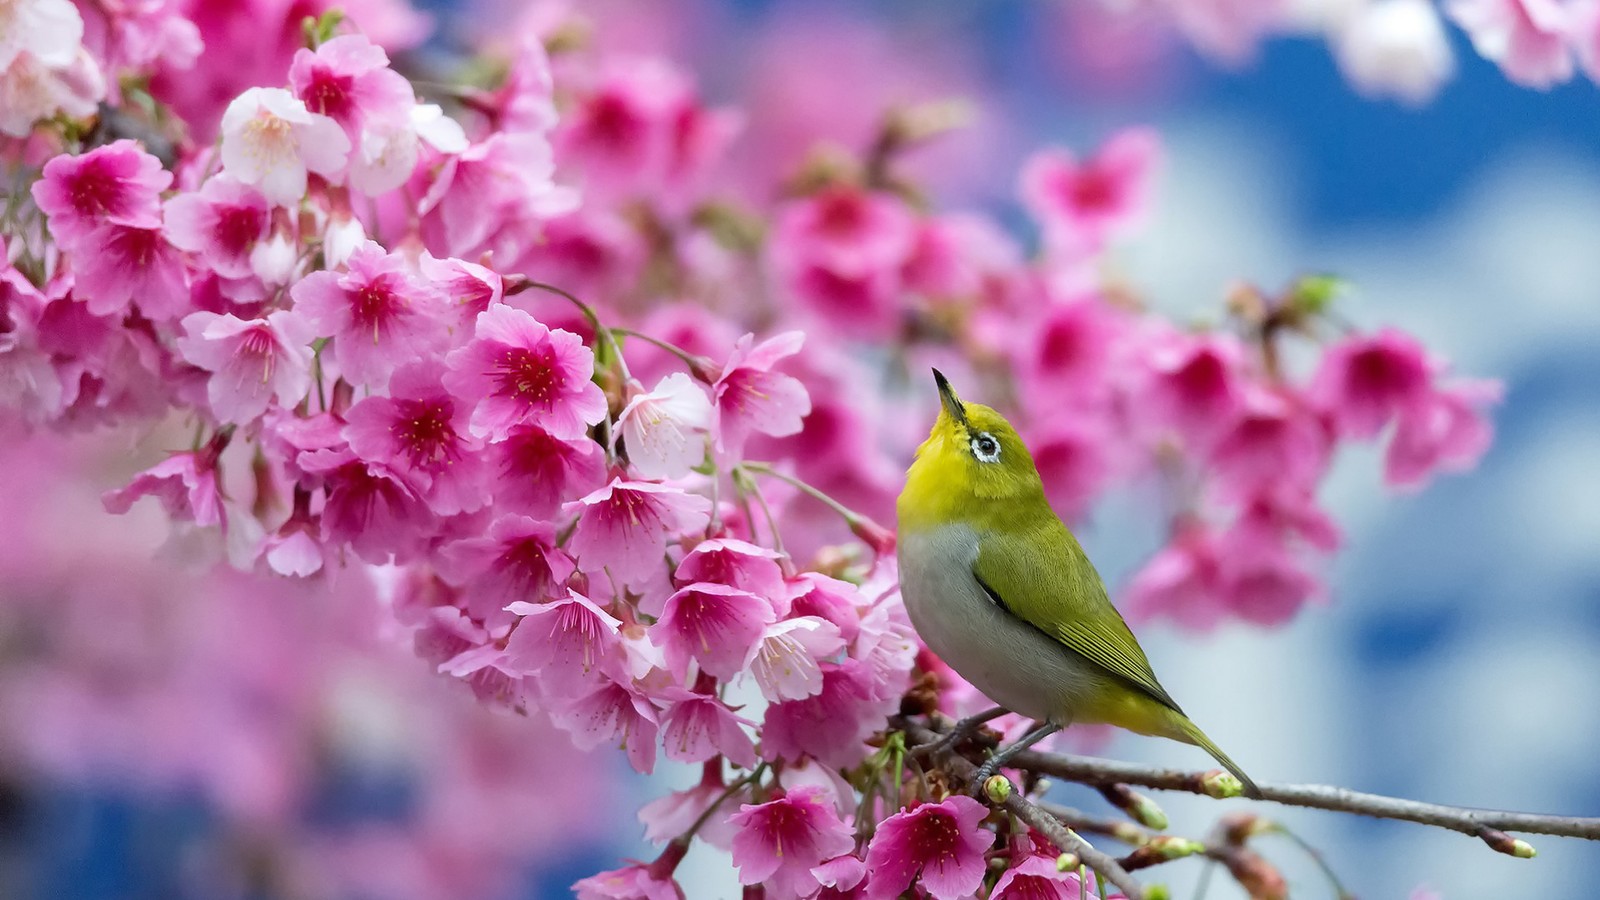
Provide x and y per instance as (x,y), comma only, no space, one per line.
(997,586)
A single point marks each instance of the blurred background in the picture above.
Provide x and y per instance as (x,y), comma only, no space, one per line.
(1457,658)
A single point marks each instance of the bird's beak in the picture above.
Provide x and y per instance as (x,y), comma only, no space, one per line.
(947,396)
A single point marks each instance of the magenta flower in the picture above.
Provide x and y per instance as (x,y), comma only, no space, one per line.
(348,79)
(368,506)
(614,713)
(1067,355)
(118,184)
(780,842)
(469,288)
(786,659)
(221,224)
(1527,38)
(1073,456)
(1035,878)
(517,561)
(1448,431)
(378,314)
(664,429)
(1082,205)
(1183,580)
(712,624)
(624,526)
(1273,442)
(503,184)
(738,564)
(633,882)
(567,641)
(1364,381)
(698,727)
(129,263)
(941,841)
(1196,384)
(515,370)
(252,362)
(829,599)
(751,398)
(419,433)
(270,140)
(184,483)
(848,230)
(534,472)
(832,725)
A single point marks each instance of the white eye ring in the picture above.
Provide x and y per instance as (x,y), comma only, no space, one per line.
(985,447)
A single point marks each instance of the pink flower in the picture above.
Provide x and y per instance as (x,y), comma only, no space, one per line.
(1201,575)
(50,30)
(221,224)
(664,430)
(252,362)
(669,816)
(624,526)
(368,506)
(713,624)
(1448,431)
(348,79)
(533,472)
(270,140)
(567,641)
(635,882)
(419,433)
(1084,205)
(751,398)
(738,564)
(1364,381)
(841,253)
(780,842)
(1196,384)
(185,483)
(469,288)
(837,602)
(832,725)
(614,712)
(1066,357)
(498,189)
(378,314)
(698,727)
(942,841)
(1274,441)
(518,560)
(1035,877)
(516,370)
(118,184)
(785,660)
(1527,38)
(121,263)
(1183,580)
(1073,458)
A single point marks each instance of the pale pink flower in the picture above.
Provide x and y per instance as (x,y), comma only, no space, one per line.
(832,725)
(503,182)
(31,91)
(670,815)
(698,727)
(293,550)
(1396,47)
(568,642)
(532,472)
(378,313)
(634,882)
(515,370)
(712,624)
(781,842)
(221,224)
(49,30)
(118,184)
(129,263)
(517,560)
(738,564)
(785,660)
(368,506)
(614,713)
(252,362)
(1366,380)
(1228,29)
(142,35)
(468,288)
(1082,205)
(348,79)
(270,140)
(387,154)
(1526,38)
(943,842)
(624,527)
(664,430)
(184,483)
(419,432)
(1448,431)
(526,98)
(752,398)
(834,601)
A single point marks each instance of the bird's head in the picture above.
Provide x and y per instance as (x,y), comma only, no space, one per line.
(973,465)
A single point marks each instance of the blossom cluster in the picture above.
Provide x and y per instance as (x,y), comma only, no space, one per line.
(611,432)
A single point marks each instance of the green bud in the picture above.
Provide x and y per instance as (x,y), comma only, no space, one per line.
(1175,847)
(1157,892)
(1220,785)
(1130,834)
(1523,850)
(1066,862)
(998,789)
(1313,294)
(1148,813)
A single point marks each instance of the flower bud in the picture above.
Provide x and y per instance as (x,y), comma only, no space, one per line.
(1066,862)
(1220,785)
(1170,847)
(1157,892)
(1138,807)
(997,789)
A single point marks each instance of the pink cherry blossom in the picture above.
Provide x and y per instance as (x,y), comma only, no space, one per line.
(469,288)
(1065,359)
(185,483)
(1035,877)
(348,79)
(615,713)
(664,429)
(221,224)
(940,842)
(635,882)
(117,184)
(1446,432)
(1082,205)
(832,725)
(515,370)
(1195,384)
(1364,381)
(1183,580)
(839,603)
(252,362)
(712,624)
(50,30)
(752,398)
(785,661)
(1072,455)
(32,90)
(1527,38)
(624,526)
(270,140)
(419,432)
(568,641)
(840,253)
(698,727)
(1275,440)
(738,564)
(378,313)
(671,815)
(368,506)
(517,560)
(533,472)
(780,842)
(491,193)
(131,264)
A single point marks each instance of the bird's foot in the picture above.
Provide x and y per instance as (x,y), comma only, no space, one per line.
(963,729)
(980,778)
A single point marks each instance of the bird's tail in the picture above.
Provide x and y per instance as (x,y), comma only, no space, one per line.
(1193,734)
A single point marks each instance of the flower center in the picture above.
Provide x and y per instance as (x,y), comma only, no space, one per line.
(425,433)
(529,375)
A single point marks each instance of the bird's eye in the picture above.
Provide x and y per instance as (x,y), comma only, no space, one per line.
(985,447)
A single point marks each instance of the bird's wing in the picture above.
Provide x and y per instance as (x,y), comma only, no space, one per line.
(1047,581)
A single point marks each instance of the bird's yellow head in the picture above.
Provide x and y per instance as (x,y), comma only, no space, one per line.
(973,467)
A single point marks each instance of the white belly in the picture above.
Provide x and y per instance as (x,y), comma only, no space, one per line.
(1010,661)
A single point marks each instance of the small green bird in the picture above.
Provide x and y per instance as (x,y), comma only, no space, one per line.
(1000,589)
